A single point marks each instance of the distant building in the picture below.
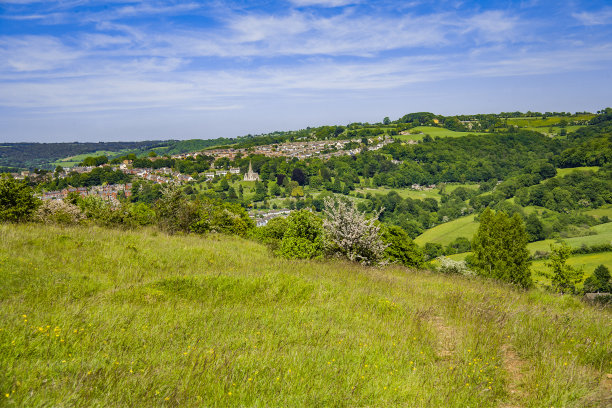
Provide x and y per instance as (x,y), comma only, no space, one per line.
(251,175)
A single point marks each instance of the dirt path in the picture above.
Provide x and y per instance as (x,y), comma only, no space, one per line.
(447,338)
(514,366)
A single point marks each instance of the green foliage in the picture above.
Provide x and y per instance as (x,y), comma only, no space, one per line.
(433,250)
(458,246)
(563,277)
(500,248)
(400,248)
(303,238)
(94,161)
(272,233)
(59,212)
(599,281)
(576,190)
(222,217)
(17,202)
(141,214)
(534,228)
(174,212)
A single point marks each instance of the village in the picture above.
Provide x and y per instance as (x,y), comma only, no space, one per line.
(323,149)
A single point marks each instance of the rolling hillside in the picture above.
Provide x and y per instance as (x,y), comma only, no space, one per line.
(97,317)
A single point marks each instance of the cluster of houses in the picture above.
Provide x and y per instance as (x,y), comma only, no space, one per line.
(423,188)
(221,173)
(160,176)
(263,218)
(109,191)
(324,149)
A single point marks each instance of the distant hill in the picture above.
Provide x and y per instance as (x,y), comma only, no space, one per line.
(46,155)
(40,155)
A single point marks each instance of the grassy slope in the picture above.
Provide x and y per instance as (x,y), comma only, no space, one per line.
(604,236)
(564,172)
(449,231)
(74,160)
(588,263)
(536,122)
(433,132)
(403,192)
(92,317)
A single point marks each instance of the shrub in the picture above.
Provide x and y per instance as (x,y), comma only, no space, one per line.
(272,233)
(141,214)
(217,216)
(350,234)
(174,212)
(599,281)
(17,202)
(448,266)
(59,212)
(400,248)
(563,277)
(500,248)
(303,238)
(101,210)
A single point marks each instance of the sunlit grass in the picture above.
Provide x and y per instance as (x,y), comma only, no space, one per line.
(96,317)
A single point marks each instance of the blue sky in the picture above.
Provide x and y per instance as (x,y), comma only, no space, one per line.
(77,70)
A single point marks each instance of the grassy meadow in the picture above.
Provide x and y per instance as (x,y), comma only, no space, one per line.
(96,317)
(74,160)
(418,132)
(449,231)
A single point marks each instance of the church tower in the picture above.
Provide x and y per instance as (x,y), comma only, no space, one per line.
(251,175)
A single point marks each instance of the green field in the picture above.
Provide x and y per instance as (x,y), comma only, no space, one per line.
(586,262)
(97,317)
(449,231)
(403,192)
(74,160)
(538,122)
(565,172)
(604,236)
(433,132)
(600,212)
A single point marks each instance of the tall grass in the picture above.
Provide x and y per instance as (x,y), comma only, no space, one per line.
(97,317)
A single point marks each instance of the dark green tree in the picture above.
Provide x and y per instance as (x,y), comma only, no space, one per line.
(599,281)
(303,237)
(17,202)
(500,248)
(401,248)
(535,228)
(563,277)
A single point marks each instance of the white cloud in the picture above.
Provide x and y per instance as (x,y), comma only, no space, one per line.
(601,17)
(35,53)
(323,3)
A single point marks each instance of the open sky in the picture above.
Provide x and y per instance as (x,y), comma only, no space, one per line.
(79,70)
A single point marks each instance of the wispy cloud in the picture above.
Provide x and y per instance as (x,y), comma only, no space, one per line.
(323,3)
(601,17)
(194,58)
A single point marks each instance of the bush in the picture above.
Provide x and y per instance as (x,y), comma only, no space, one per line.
(400,248)
(500,248)
(140,214)
(174,212)
(217,216)
(17,202)
(599,281)
(101,210)
(303,238)
(59,212)
(348,233)
(272,233)
(448,266)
